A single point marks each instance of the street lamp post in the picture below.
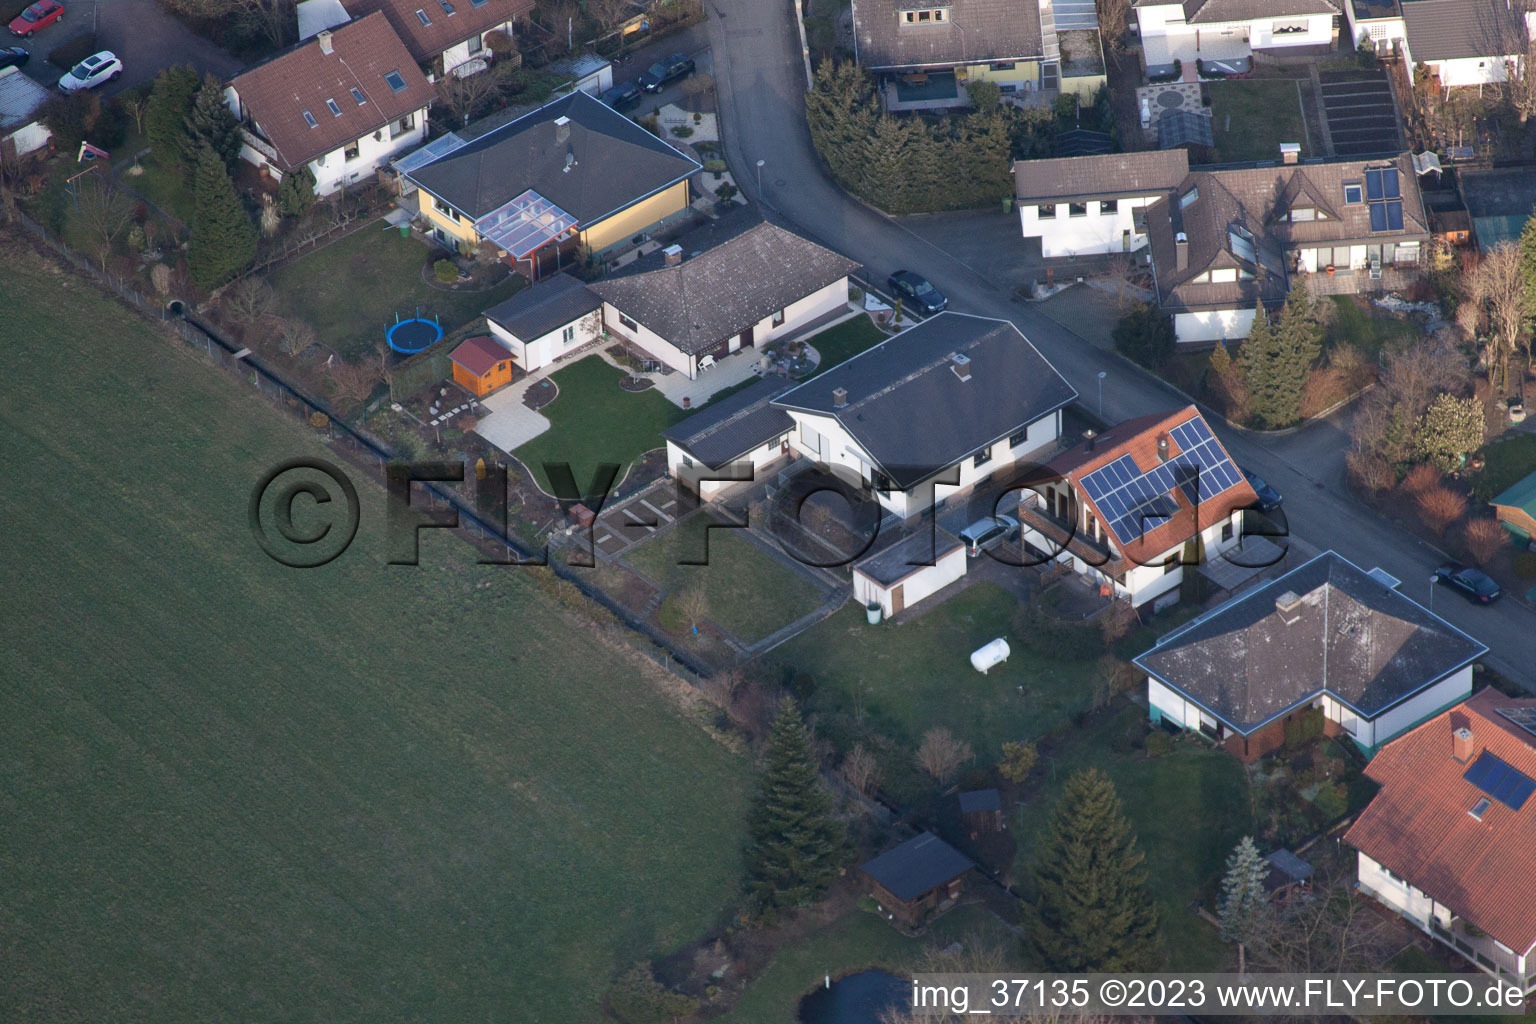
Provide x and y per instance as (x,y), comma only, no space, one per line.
(760,177)
(1432,582)
(1102,375)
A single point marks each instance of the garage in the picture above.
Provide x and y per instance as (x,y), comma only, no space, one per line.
(909,571)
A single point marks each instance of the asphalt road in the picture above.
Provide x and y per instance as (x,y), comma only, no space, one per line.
(138,31)
(761,83)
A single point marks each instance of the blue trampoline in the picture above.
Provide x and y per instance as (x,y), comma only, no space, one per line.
(414,335)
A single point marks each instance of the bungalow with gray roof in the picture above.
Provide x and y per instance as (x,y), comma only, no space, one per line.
(710,450)
(1327,636)
(547,321)
(1094,204)
(1189,31)
(1466,42)
(931,49)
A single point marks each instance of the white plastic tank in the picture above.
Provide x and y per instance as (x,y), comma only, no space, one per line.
(1146,113)
(985,657)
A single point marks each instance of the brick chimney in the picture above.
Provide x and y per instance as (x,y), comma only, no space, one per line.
(1290,152)
(961,364)
(672,255)
(1089,437)
(1181,251)
(562,129)
(1288,605)
(1462,747)
(839,398)
(1162,447)
(324,37)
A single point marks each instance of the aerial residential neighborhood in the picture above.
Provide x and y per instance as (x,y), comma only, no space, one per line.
(674,511)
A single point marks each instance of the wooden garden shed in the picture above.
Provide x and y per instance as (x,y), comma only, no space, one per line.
(916,877)
(481,365)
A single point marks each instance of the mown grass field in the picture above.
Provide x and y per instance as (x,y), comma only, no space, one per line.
(235,791)
(1251,117)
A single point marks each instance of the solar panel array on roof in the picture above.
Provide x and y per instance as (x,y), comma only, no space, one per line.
(1525,718)
(1509,786)
(1385,198)
(1134,503)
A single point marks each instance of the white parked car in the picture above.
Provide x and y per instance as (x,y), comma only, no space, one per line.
(91,72)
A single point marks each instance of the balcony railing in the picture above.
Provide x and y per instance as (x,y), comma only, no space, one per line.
(1482,951)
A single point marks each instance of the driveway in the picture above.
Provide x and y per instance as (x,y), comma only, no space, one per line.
(761,85)
(511,424)
(146,38)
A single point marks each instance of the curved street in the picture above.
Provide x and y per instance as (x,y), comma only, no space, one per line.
(760,78)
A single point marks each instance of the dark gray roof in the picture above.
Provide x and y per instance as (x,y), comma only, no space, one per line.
(1112,174)
(545,307)
(723,290)
(1288,864)
(617,163)
(975,32)
(1184,127)
(914,415)
(979,800)
(910,554)
(1451,29)
(917,866)
(1366,645)
(733,426)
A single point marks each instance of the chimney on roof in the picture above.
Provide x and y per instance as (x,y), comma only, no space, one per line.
(1162,447)
(672,255)
(1088,438)
(1461,745)
(961,364)
(1290,152)
(324,36)
(839,398)
(562,128)
(1288,605)
(1181,251)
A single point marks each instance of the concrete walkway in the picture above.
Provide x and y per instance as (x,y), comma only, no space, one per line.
(512,424)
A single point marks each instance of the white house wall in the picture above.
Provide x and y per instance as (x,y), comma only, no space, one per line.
(333,172)
(649,340)
(681,464)
(1403,897)
(922,584)
(547,348)
(1171,705)
(1452,689)
(1165,35)
(27,139)
(1212,325)
(1468,71)
(1095,232)
(802,311)
(460,52)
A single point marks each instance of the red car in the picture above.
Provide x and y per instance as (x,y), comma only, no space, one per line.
(39,15)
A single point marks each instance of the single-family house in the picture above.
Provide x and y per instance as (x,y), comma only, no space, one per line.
(1093,204)
(1449,841)
(341,104)
(897,576)
(445,34)
(1226,240)
(1136,507)
(1225,30)
(709,450)
(1515,509)
(21,129)
(1327,635)
(931,50)
(547,321)
(920,875)
(737,284)
(1466,42)
(926,415)
(481,365)
(573,176)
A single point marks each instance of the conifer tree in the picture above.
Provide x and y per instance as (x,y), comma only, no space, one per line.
(1091,910)
(223,236)
(1528,265)
(170,102)
(209,123)
(795,846)
(1243,906)
(1277,358)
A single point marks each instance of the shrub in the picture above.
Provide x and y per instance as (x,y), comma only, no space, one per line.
(1485,538)
(1017,762)
(446,271)
(1439,507)
(682,131)
(1159,743)
(1525,565)
(1304,728)
(715,166)
(1421,478)
(67,55)
(1332,800)
(726,192)
(638,998)
(1145,335)
(1369,472)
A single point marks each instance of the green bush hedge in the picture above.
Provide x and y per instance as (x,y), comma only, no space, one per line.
(1159,743)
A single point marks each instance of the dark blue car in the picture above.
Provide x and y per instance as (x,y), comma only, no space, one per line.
(1473,584)
(622,96)
(665,72)
(1269,498)
(916,293)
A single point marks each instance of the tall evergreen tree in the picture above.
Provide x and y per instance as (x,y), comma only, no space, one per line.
(209,123)
(1091,911)
(1243,906)
(223,236)
(1277,358)
(170,103)
(1258,361)
(795,846)
(1528,264)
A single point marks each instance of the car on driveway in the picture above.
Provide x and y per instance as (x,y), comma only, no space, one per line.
(987,533)
(13,57)
(1269,498)
(39,16)
(915,291)
(1473,584)
(622,96)
(97,69)
(664,72)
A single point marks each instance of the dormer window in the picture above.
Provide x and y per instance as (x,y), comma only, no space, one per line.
(330,105)
(421,16)
(1301,214)
(925,16)
(309,119)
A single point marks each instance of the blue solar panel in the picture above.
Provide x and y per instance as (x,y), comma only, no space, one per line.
(1389,183)
(1373,185)
(1378,217)
(1395,215)
(1507,785)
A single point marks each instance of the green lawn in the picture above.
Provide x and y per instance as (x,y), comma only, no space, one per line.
(750,593)
(1250,118)
(843,341)
(359,792)
(899,681)
(1369,334)
(1189,810)
(162,186)
(1507,462)
(351,291)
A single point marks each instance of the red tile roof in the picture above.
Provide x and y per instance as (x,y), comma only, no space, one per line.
(1419,827)
(445,30)
(1138,438)
(479,354)
(275,93)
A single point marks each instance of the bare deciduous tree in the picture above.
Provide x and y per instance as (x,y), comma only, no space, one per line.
(1112,21)
(1330,930)
(354,382)
(465,95)
(1439,507)
(860,769)
(247,301)
(610,14)
(1509,305)
(1485,539)
(105,212)
(694,604)
(135,102)
(942,753)
(296,336)
(720,688)
(160,278)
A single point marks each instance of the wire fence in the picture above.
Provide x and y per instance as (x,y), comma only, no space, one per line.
(367,452)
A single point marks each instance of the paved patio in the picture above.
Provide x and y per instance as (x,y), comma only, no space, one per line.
(512,424)
(731,370)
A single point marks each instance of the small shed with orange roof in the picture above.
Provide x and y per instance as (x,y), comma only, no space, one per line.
(481,365)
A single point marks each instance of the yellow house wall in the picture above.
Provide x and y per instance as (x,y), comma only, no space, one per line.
(462,230)
(1023,71)
(1085,88)
(632,220)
